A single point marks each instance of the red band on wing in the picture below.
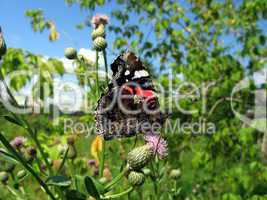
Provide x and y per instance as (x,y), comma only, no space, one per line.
(127,90)
(144,93)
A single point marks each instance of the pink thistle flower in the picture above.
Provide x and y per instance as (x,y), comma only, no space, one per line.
(157,144)
(99,19)
(18,142)
(91,163)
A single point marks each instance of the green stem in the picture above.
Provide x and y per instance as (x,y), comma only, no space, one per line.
(25,122)
(102,160)
(114,196)
(106,64)
(116,179)
(39,147)
(25,165)
(63,161)
(96,69)
(154,181)
(13,176)
(140,194)
(73,172)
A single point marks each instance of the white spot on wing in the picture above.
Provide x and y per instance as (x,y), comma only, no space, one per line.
(127,72)
(140,74)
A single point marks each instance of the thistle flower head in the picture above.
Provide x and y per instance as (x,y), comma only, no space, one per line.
(70,53)
(99,19)
(72,153)
(175,173)
(18,142)
(136,178)
(158,145)
(91,163)
(139,157)
(100,44)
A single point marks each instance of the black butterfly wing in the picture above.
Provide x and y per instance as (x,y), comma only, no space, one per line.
(111,120)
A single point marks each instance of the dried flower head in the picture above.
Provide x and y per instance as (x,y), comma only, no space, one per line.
(158,145)
(70,140)
(18,142)
(31,152)
(99,19)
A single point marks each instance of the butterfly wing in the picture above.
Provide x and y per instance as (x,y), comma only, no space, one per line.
(130,77)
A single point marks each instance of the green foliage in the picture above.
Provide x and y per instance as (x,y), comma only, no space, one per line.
(204,41)
(23,65)
(39,23)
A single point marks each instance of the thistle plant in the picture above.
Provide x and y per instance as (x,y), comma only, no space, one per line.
(60,178)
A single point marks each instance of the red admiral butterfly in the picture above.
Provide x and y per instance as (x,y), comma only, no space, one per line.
(130,105)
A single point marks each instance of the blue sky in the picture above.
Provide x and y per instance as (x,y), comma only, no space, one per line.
(18,32)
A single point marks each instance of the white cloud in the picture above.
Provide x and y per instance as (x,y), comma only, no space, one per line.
(87,53)
(260,77)
(91,55)
(69,65)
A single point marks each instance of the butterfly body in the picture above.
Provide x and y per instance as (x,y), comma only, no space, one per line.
(130,105)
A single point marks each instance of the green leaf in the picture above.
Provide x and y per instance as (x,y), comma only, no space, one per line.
(75,195)
(63,161)
(61,181)
(91,188)
(100,187)
(8,157)
(13,120)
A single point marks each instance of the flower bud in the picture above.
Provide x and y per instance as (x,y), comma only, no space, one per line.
(21,174)
(100,44)
(107,173)
(98,32)
(96,172)
(139,157)
(31,154)
(18,142)
(71,140)
(136,178)
(43,167)
(103,180)
(57,164)
(3,177)
(175,173)
(91,163)
(72,154)
(70,53)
